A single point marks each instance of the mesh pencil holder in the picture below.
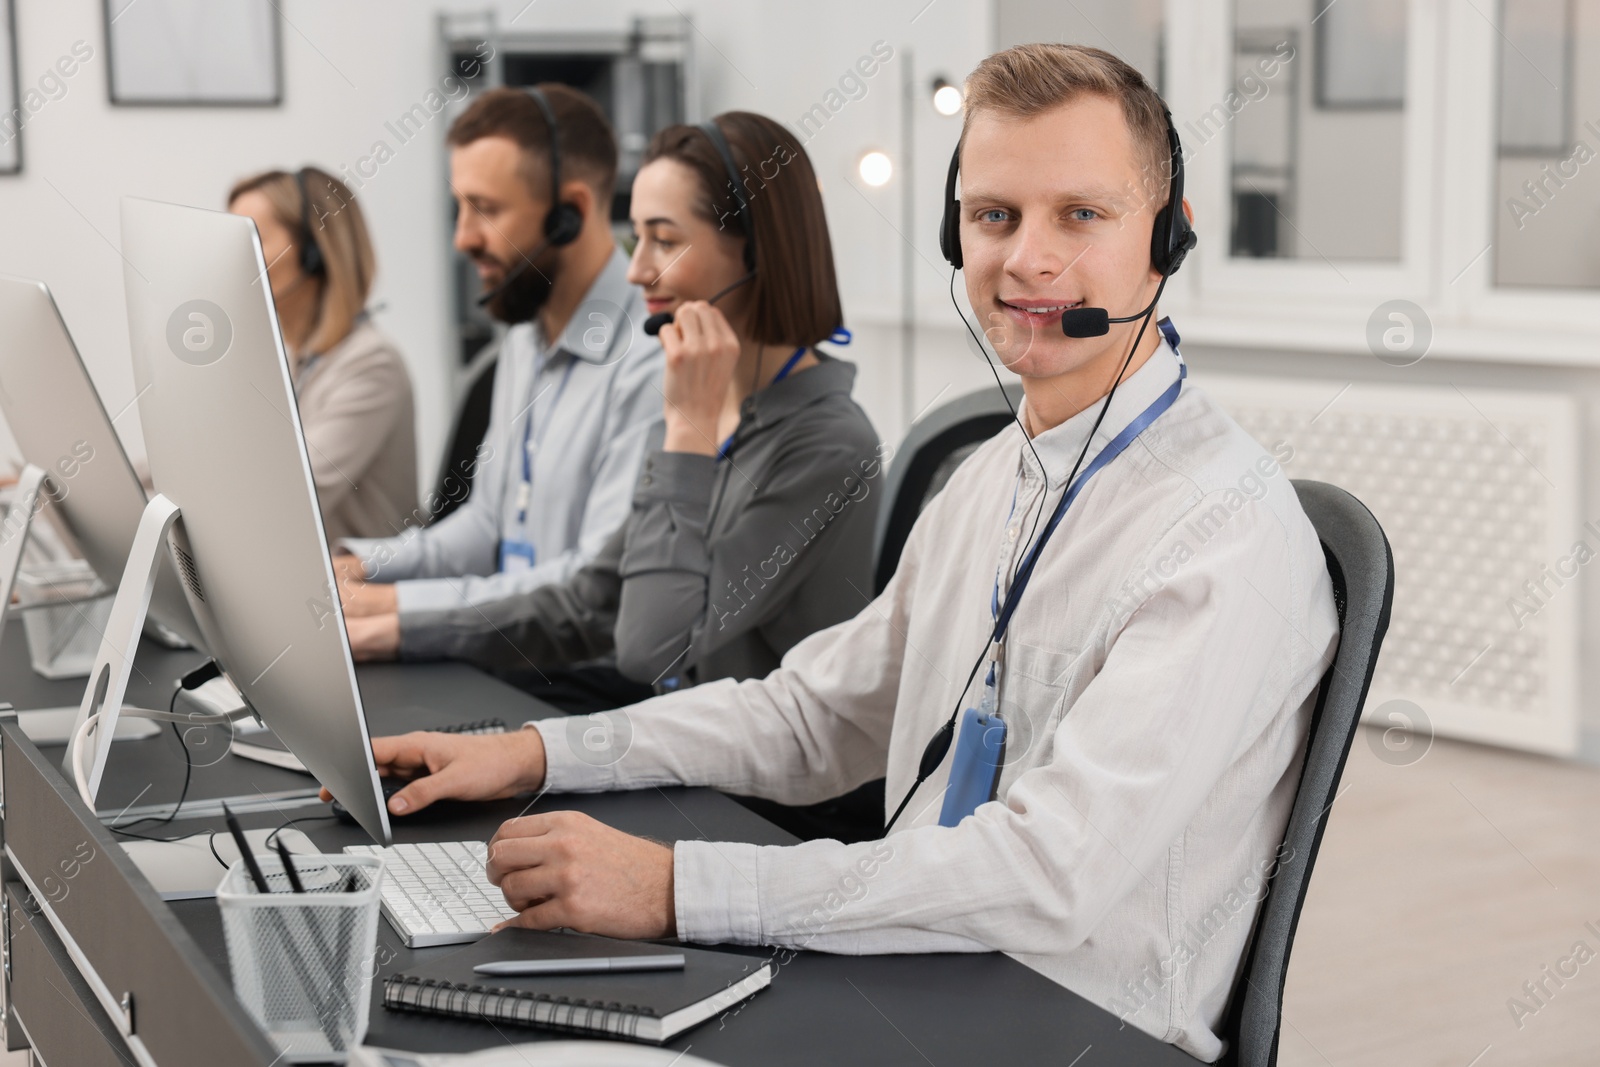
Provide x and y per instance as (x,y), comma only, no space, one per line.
(303,962)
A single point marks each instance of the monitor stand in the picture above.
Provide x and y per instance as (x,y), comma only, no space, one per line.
(44,726)
(108,678)
(172,865)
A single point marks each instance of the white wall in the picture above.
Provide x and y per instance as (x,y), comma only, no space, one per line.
(347,69)
(351,66)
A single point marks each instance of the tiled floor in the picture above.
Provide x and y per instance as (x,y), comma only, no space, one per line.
(1442,887)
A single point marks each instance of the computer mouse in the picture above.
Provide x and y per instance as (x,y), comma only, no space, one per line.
(391,786)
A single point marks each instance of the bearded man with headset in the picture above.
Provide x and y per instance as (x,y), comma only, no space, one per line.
(577,389)
(1118,769)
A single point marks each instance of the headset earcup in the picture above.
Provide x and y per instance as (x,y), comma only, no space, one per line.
(563,224)
(950,223)
(1159,253)
(1167,256)
(950,233)
(311,261)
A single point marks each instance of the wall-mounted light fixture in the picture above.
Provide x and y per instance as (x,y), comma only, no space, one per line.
(947,99)
(875,168)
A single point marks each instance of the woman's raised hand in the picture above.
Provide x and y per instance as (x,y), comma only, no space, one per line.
(701,352)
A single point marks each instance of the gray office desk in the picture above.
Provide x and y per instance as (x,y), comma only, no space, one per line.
(144,777)
(916,1010)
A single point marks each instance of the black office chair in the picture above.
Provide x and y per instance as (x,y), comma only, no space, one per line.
(1362,569)
(460,458)
(931,451)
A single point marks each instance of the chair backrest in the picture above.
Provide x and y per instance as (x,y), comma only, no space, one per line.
(1362,569)
(460,457)
(933,448)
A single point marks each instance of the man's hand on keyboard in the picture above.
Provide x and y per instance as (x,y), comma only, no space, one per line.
(564,869)
(458,766)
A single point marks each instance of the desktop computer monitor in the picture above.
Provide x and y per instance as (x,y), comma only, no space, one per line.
(60,426)
(226,447)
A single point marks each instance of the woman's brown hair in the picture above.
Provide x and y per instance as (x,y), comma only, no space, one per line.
(333,220)
(794,299)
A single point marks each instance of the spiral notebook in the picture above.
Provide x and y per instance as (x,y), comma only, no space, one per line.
(652,1006)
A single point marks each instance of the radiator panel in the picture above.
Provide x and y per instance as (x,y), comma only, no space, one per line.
(1477,492)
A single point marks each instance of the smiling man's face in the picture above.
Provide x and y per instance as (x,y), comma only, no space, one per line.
(1056,212)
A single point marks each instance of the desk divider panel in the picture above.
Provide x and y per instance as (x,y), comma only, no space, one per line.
(161,993)
(57,1010)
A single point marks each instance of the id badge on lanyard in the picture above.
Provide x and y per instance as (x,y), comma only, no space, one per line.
(980,752)
(516,556)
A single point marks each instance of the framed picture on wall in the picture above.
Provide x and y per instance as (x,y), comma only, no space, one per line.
(209,53)
(10,97)
(1360,53)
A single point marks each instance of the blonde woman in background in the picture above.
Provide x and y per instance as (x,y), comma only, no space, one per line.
(350,383)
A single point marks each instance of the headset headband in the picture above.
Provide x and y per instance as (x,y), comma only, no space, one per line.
(312,261)
(1171,236)
(555,140)
(714,134)
(563,222)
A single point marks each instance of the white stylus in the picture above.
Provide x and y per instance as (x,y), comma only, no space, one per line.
(592,965)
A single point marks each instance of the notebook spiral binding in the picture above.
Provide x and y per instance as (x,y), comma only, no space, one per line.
(499,1004)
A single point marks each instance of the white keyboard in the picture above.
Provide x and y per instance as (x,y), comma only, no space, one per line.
(438,893)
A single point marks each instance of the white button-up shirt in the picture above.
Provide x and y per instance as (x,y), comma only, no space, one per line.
(1157,682)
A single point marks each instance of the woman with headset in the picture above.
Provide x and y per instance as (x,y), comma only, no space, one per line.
(755,508)
(351,385)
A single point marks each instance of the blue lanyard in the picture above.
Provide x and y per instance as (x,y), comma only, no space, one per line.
(980,746)
(1004,611)
(783,372)
(525,491)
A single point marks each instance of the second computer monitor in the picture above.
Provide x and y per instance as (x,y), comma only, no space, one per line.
(225,444)
(55,415)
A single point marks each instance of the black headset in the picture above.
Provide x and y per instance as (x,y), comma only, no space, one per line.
(1171,236)
(563,222)
(312,261)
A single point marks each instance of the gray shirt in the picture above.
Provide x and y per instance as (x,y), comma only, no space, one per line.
(723,566)
(585,407)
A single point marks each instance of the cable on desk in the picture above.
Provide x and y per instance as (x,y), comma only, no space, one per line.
(290,822)
(188,772)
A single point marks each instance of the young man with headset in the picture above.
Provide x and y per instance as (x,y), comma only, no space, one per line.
(576,389)
(1126,748)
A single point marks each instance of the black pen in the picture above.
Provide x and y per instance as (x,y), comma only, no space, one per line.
(244,851)
(288,867)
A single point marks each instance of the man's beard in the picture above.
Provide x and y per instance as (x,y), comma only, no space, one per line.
(523,292)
